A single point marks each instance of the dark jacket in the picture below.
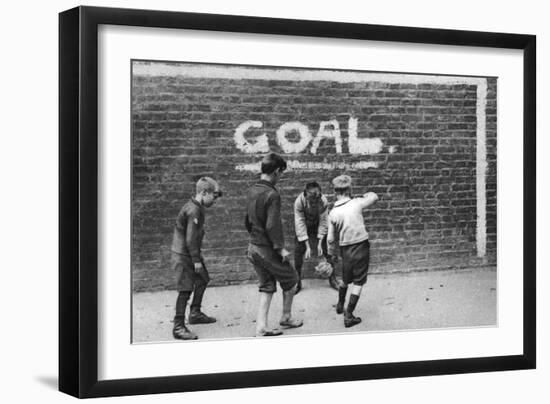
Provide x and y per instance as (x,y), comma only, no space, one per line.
(263,217)
(189,231)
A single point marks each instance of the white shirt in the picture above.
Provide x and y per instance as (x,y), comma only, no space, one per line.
(300,206)
(345,221)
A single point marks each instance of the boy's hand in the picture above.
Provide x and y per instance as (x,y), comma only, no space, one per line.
(320,248)
(371,196)
(307,255)
(198,267)
(368,199)
(285,255)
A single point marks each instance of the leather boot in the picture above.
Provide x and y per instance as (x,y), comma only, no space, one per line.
(180,331)
(350,320)
(198,317)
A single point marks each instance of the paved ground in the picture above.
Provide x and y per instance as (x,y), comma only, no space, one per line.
(464,298)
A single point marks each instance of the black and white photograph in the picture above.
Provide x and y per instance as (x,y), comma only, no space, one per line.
(273,201)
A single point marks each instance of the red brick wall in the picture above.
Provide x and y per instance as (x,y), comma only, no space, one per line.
(184,127)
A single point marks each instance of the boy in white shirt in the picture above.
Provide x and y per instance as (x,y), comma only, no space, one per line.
(311,226)
(346,225)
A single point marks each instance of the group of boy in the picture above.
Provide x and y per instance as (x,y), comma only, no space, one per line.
(316,229)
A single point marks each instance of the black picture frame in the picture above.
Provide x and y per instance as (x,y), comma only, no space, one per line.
(78,200)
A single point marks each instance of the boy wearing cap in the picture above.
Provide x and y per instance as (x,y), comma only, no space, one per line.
(187,261)
(347,225)
(311,225)
(266,250)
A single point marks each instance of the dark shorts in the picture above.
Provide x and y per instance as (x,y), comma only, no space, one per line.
(271,269)
(186,277)
(355,262)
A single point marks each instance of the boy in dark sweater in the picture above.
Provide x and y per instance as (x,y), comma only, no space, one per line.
(266,250)
(187,261)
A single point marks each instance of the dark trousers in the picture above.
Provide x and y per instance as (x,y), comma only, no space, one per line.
(187,280)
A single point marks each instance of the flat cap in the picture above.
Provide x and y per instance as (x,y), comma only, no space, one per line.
(342,181)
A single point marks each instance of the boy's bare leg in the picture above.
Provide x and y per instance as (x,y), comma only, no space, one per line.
(286,318)
(263,311)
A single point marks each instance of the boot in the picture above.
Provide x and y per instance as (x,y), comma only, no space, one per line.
(198,317)
(350,320)
(339,308)
(180,331)
(342,291)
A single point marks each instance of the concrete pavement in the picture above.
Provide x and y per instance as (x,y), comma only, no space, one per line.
(418,300)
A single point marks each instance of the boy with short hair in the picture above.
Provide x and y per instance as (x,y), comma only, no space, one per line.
(311,226)
(347,225)
(266,250)
(187,261)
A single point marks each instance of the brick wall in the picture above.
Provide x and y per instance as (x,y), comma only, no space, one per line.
(424,168)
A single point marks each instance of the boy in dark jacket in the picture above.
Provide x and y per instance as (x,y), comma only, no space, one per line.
(266,250)
(187,261)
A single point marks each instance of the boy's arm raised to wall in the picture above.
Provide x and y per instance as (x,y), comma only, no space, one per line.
(368,199)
